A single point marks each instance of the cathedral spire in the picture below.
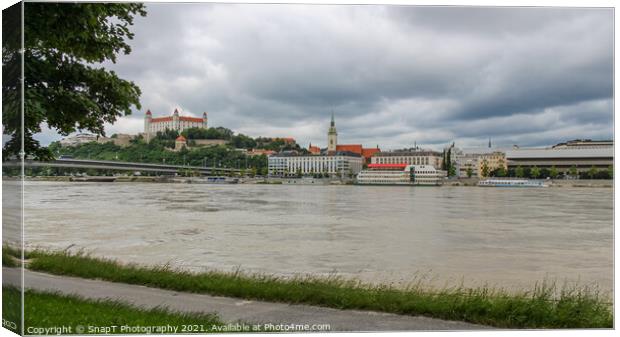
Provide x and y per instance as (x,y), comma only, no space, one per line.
(332,136)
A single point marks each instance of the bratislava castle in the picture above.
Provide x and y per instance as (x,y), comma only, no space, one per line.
(174,122)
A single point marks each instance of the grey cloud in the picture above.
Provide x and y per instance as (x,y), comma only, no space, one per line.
(392,74)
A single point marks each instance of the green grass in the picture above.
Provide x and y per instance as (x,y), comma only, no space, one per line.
(545,306)
(46,310)
(8,260)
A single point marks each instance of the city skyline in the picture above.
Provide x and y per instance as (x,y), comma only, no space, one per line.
(393,75)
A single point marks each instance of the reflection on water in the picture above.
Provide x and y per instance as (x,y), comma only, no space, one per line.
(503,237)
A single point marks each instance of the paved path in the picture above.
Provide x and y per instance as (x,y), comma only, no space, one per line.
(231,309)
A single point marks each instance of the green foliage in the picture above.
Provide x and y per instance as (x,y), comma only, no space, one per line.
(573,170)
(535,172)
(210,133)
(610,171)
(470,172)
(167,134)
(275,144)
(500,172)
(520,172)
(553,172)
(592,172)
(545,306)
(485,169)
(64,88)
(157,151)
(47,310)
(241,141)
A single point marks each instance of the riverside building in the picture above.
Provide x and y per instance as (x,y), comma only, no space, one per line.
(582,154)
(413,156)
(152,125)
(290,163)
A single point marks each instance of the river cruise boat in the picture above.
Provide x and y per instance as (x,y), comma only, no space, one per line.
(400,174)
(511,183)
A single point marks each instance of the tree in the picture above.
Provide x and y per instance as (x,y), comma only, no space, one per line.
(553,172)
(535,172)
(573,170)
(470,172)
(452,171)
(520,172)
(501,171)
(592,172)
(610,171)
(485,169)
(63,85)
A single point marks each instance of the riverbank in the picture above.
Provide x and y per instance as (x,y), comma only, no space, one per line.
(544,306)
(467,182)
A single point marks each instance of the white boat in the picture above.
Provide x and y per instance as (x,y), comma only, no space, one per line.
(400,174)
(212,180)
(511,183)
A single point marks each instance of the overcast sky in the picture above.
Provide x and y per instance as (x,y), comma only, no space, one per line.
(391,74)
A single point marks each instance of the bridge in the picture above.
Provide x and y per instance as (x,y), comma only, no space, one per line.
(120,165)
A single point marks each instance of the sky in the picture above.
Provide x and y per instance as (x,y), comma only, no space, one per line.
(392,75)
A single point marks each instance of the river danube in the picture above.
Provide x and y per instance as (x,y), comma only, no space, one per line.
(509,238)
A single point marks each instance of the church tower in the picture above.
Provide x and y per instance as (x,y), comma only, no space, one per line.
(332,136)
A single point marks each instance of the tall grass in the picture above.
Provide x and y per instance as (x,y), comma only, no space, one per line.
(48,310)
(545,306)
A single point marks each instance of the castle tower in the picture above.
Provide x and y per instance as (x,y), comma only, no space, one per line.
(205,124)
(147,124)
(332,136)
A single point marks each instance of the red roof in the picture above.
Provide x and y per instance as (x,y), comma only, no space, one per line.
(180,139)
(355,148)
(148,112)
(191,119)
(367,153)
(182,118)
(314,149)
(161,119)
(388,166)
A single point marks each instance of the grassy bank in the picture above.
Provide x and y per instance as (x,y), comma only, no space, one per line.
(48,310)
(539,308)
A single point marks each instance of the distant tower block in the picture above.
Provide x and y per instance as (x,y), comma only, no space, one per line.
(205,120)
(332,136)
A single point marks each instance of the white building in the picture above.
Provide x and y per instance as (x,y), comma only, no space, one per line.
(175,122)
(408,156)
(581,154)
(340,163)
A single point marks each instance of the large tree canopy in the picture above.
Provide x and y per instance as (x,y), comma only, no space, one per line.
(65,85)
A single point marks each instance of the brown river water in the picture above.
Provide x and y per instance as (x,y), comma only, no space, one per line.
(501,237)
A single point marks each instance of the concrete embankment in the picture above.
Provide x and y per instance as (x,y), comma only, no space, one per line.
(452,182)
